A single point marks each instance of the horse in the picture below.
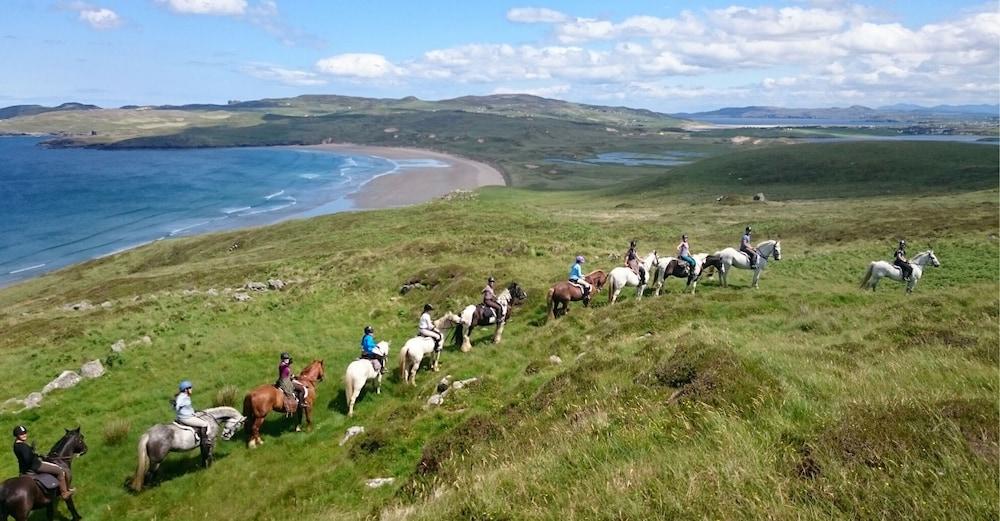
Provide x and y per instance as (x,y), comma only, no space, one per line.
(359,372)
(482,315)
(722,260)
(564,292)
(879,269)
(623,276)
(20,495)
(164,438)
(673,267)
(266,398)
(416,348)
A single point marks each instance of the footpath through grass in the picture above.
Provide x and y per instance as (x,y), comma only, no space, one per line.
(805,399)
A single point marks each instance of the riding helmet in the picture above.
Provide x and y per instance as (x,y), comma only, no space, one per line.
(632,243)
(748,229)
(684,237)
(286,356)
(428,307)
(902,242)
(491,279)
(19,430)
(369,330)
(185,385)
(580,259)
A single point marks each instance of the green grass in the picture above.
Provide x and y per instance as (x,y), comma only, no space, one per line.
(804,399)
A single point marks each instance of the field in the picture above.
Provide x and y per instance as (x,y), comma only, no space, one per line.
(804,399)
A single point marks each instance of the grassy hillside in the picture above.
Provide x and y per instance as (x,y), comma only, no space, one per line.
(805,399)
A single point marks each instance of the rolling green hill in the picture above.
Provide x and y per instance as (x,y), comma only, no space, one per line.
(804,399)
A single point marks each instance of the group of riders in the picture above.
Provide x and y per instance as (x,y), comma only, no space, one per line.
(29,462)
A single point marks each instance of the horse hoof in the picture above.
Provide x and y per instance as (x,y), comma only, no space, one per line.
(298,429)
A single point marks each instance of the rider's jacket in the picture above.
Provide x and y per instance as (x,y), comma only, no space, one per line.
(682,249)
(27,459)
(284,370)
(488,294)
(900,255)
(575,272)
(182,404)
(368,345)
(425,322)
(745,241)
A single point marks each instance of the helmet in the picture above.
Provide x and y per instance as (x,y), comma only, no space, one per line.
(748,229)
(19,430)
(286,356)
(491,279)
(185,385)
(369,330)
(902,242)
(428,307)
(632,243)
(685,236)
(580,259)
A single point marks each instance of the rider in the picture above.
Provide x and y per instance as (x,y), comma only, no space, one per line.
(426,327)
(28,461)
(900,260)
(369,346)
(684,253)
(186,416)
(632,262)
(576,276)
(285,383)
(490,299)
(749,250)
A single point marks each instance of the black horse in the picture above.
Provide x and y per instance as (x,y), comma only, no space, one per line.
(482,315)
(20,495)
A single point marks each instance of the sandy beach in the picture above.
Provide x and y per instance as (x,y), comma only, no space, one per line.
(416,184)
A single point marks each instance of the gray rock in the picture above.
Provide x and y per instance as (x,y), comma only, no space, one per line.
(83,305)
(212,292)
(106,304)
(33,400)
(759,196)
(92,369)
(255,286)
(241,297)
(275,284)
(12,405)
(378,482)
(64,381)
(351,432)
(144,340)
(118,346)
(435,399)
(555,360)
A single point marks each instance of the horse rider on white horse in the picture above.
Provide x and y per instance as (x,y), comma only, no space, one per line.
(900,260)
(684,254)
(576,277)
(490,299)
(748,249)
(426,327)
(633,262)
(369,349)
(186,416)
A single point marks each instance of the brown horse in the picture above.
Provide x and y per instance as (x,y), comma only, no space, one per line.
(267,398)
(562,293)
(20,495)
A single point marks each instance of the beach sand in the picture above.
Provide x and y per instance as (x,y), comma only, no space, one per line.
(412,185)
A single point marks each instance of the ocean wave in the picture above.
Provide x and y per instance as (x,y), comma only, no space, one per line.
(275,194)
(29,268)
(421,163)
(228,211)
(185,228)
(269,209)
(308,176)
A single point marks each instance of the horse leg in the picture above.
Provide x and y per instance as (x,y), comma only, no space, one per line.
(378,384)
(498,335)
(756,277)
(437,359)
(258,422)
(71,505)
(50,510)
(298,425)
(466,343)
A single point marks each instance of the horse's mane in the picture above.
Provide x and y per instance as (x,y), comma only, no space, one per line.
(61,444)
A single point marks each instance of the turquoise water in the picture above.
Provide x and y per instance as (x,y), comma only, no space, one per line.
(62,206)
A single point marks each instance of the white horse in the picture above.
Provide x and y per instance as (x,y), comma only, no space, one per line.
(661,274)
(879,269)
(416,348)
(359,372)
(623,276)
(731,257)
(473,315)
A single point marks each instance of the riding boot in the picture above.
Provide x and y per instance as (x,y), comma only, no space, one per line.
(64,491)
(206,445)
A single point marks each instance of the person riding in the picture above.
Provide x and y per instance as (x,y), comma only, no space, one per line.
(293,395)
(369,348)
(426,327)
(490,299)
(899,259)
(29,462)
(633,263)
(749,250)
(684,253)
(186,415)
(576,276)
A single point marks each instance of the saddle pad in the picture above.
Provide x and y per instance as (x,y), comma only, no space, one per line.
(46,481)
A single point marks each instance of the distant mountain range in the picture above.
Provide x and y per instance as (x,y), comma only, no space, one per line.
(29,110)
(855,112)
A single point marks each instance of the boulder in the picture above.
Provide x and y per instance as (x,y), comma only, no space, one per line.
(378,482)
(255,286)
(759,196)
(351,432)
(118,346)
(275,284)
(145,340)
(83,305)
(33,400)
(64,381)
(106,304)
(212,292)
(435,399)
(241,297)
(555,360)
(464,383)
(92,369)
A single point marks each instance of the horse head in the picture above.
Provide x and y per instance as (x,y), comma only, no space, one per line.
(71,444)
(517,292)
(770,248)
(229,419)
(598,278)
(314,371)
(382,348)
(925,257)
(448,320)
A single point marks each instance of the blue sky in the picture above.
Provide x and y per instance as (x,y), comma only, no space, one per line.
(667,55)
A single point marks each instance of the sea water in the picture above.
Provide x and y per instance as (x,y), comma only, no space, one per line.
(61,206)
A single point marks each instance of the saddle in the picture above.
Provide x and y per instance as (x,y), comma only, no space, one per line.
(192,430)
(488,314)
(376,364)
(47,482)
(586,293)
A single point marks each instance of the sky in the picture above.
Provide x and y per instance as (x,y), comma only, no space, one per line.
(667,55)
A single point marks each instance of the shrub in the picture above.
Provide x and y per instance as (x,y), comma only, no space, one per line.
(228,396)
(116,431)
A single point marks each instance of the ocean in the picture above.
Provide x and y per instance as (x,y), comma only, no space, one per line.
(62,206)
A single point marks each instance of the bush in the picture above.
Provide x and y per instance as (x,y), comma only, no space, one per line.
(228,396)
(116,431)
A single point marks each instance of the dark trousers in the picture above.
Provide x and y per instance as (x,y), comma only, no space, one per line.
(496,307)
(752,255)
(905,267)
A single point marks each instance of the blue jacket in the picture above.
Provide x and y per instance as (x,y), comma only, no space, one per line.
(575,272)
(368,344)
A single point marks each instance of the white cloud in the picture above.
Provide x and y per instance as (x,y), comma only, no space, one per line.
(533,15)
(770,22)
(548,91)
(99,18)
(282,75)
(358,65)
(213,7)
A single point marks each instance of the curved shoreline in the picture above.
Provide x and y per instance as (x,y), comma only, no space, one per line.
(413,184)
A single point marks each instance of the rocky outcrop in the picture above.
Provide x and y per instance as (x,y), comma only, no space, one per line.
(275,284)
(242,297)
(65,380)
(351,432)
(92,369)
(255,286)
(378,482)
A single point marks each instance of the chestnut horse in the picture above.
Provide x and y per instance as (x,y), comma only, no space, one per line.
(267,398)
(562,293)
(20,495)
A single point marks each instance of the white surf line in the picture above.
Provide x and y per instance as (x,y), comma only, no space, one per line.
(29,268)
(275,194)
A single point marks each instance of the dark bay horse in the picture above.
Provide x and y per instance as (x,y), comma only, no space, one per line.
(267,398)
(20,495)
(481,315)
(562,293)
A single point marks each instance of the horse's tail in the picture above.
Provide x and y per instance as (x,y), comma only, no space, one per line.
(456,333)
(143,464)
(868,276)
(402,362)
(348,385)
(550,303)
(249,414)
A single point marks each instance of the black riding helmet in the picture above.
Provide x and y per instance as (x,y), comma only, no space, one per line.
(902,242)
(369,330)
(428,307)
(286,356)
(491,279)
(19,430)
(748,229)
(632,243)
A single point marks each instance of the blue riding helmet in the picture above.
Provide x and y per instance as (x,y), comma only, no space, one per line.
(580,259)
(185,385)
